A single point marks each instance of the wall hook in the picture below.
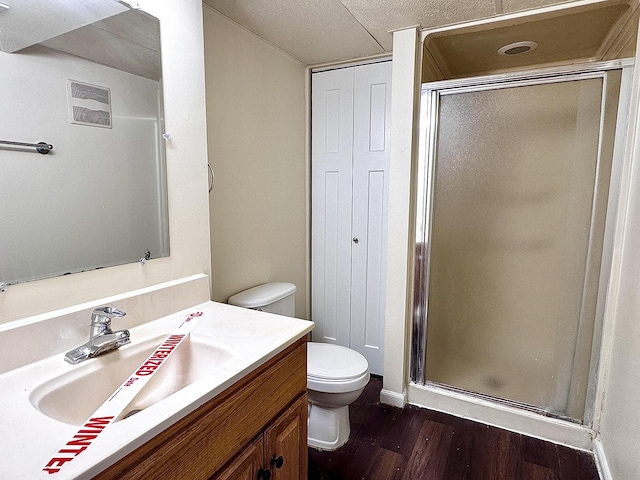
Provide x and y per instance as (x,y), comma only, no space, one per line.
(147,256)
(212,178)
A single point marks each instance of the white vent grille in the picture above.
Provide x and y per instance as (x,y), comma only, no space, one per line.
(89,104)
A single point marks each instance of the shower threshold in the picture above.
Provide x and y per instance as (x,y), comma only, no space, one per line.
(503,401)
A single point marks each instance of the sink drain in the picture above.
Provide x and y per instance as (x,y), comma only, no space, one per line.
(132,412)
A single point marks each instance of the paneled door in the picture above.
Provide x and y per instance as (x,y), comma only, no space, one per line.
(350,165)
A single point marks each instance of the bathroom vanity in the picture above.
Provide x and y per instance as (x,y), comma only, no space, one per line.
(229,403)
(258,425)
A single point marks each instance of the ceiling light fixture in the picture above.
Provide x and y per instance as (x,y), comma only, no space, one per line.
(517,48)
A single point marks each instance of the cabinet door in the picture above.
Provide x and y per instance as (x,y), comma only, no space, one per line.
(286,443)
(246,465)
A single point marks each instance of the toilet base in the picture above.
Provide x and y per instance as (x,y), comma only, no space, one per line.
(329,428)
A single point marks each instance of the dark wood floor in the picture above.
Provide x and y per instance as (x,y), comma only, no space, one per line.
(389,443)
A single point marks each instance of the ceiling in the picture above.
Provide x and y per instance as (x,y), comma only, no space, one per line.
(327,31)
(587,33)
(107,32)
(26,22)
(324,31)
(128,41)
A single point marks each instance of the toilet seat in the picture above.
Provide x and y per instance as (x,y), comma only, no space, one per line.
(335,369)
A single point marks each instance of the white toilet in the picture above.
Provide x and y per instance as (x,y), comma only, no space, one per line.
(336,375)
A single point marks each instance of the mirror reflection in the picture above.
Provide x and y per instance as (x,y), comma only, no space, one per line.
(88,83)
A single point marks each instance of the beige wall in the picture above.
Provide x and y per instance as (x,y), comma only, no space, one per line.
(404,109)
(619,422)
(256,127)
(183,65)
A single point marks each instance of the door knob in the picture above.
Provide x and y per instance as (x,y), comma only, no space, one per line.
(264,474)
(355,240)
(278,462)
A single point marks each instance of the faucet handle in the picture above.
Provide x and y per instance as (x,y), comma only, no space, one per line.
(101,319)
(108,312)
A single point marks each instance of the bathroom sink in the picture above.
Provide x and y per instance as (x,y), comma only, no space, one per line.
(73,396)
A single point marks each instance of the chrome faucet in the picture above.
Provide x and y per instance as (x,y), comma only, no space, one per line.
(101,338)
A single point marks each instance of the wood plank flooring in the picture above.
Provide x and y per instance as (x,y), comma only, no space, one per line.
(389,443)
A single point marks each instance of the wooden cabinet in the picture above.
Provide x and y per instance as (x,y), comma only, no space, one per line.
(235,434)
(247,465)
(280,453)
(286,443)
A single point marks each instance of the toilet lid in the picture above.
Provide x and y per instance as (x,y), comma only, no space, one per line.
(326,361)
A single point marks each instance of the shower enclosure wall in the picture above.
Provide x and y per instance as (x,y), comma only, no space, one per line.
(516,199)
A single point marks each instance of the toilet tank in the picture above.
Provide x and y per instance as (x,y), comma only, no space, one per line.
(274,297)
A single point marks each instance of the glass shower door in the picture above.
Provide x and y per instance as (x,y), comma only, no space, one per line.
(514,223)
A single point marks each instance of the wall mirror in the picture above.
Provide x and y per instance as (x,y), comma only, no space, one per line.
(85,78)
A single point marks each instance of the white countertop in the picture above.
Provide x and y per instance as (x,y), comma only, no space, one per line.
(30,438)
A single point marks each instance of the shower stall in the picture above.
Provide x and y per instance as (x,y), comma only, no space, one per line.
(516,200)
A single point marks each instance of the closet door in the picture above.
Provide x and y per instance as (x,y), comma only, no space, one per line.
(331,173)
(372,110)
(350,163)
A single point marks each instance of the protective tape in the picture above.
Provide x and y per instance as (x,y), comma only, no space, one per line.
(109,411)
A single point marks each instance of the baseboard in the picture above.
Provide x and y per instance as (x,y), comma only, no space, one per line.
(394,399)
(601,460)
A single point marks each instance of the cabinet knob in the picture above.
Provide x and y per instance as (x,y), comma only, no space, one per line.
(278,462)
(355,240)
(264,474)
